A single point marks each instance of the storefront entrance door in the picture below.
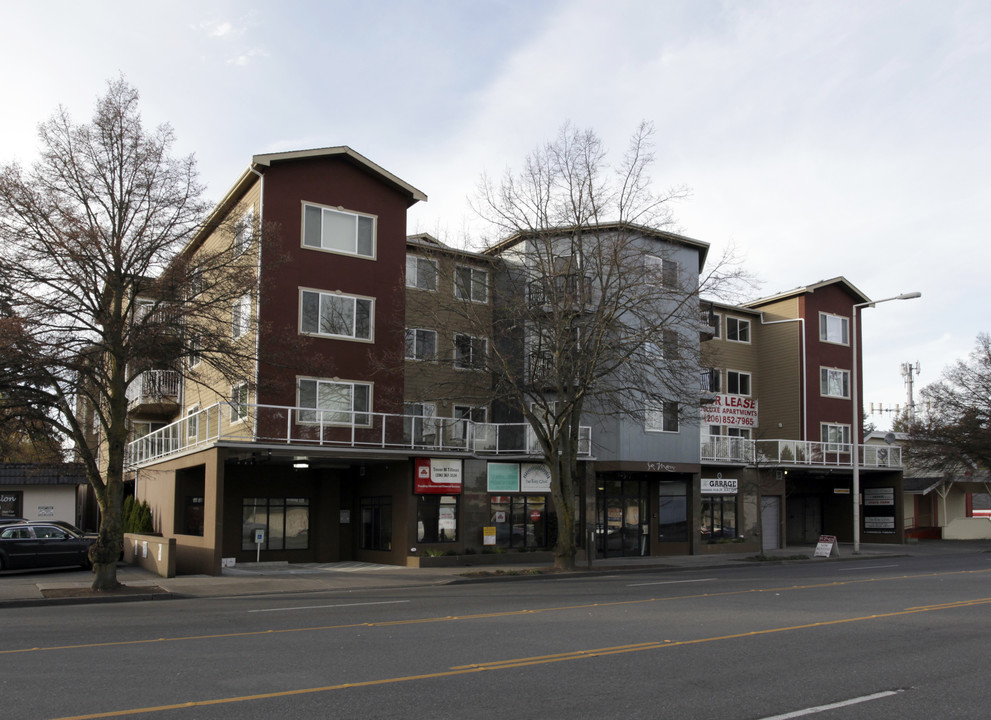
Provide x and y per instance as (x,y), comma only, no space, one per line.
(621,518)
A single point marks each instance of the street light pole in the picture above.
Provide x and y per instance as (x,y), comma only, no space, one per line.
(855,428)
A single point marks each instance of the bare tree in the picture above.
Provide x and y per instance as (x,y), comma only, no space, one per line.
(596,312)
(954,433)
(103,280)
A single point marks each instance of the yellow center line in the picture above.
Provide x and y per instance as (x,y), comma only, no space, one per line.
(478,616)
(520,662)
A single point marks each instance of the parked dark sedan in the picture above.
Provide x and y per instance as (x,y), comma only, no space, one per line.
(38,544)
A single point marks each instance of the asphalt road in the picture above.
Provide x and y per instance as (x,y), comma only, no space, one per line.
(892,638)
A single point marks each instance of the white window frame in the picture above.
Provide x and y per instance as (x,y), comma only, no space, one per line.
(333,297)
(659,419)
(667,272)
(419,423)
(827,327)
(413,272)
(239,402)
(717,331)
(355,246)
(740,375)
(740,323)
(241,316)
(469,414)
(475,287)
(832,445)
(826,382)
(193,422)
(339,417)
(195,351)
(244,232)
(413,342)
(472,363)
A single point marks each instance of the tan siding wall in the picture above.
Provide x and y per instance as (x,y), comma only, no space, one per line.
(437,382)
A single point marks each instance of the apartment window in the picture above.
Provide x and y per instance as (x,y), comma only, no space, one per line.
(471,284)
(663,419)
(239,402)
(241,316)
(334,402)
(338,231)
(195,350)
(376,523)
(244,231)
(421,344)
(717,325)
(286,522)
(663,270)
(834,329)
(834,382)
(836,437)
(419,426)
(737,383)
(711,380)
(468,413)
(469,352)
(193,422)
(421,273)
(335,315)
(737,329)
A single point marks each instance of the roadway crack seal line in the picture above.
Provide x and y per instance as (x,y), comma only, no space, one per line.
(508,613)
(517,663)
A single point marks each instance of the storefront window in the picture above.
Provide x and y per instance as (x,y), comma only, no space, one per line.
(376,523)
(672,522)
(520,520)
(437,518)
(10,503)
(718,517)
(286,522)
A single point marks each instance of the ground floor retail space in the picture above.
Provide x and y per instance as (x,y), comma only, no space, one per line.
(229,505)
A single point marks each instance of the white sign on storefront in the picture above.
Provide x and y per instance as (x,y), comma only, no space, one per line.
(720,486)
(535,477)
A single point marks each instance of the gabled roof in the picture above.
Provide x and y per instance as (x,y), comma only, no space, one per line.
(257,168)
(42,474)
(516,238)
(430,244)
(267,159)
(807,289)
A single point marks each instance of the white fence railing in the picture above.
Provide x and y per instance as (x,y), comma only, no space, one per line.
(274,424)
(797,452)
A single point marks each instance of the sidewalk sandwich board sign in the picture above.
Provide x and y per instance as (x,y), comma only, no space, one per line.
(827,547)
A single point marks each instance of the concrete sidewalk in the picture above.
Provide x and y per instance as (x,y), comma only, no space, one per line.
(36,587)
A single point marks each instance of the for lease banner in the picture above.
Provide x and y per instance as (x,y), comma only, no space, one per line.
(732,410)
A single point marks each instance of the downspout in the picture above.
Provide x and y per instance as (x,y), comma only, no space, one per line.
(805,404)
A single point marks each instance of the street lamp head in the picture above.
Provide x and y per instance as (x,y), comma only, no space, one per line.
(903,296)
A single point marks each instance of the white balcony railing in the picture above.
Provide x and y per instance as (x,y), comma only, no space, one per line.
(153,387)
(275,424)
(797,452)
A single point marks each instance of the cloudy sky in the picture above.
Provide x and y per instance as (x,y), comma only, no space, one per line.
(820,139)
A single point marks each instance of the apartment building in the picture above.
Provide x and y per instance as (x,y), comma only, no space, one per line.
(369,426)
(777,437)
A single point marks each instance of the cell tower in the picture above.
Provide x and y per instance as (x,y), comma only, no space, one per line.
(909,371)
